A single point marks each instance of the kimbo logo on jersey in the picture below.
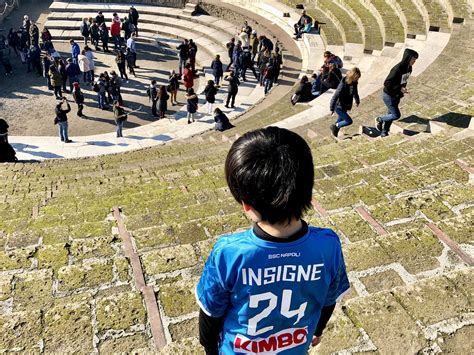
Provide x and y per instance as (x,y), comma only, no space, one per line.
(283,340)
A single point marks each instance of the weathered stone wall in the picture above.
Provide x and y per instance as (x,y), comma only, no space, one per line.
(168,3)
(5,10)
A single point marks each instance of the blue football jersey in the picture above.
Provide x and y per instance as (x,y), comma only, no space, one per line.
(271,293)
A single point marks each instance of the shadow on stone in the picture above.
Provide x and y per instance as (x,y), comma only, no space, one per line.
(454,119)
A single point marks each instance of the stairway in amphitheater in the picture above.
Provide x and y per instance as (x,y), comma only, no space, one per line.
(101,254)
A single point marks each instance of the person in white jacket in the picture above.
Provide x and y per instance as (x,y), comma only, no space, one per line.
(244,38)
(90,56)
(83,63)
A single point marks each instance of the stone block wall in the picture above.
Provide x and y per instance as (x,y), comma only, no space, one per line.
(6,7)
(167,3)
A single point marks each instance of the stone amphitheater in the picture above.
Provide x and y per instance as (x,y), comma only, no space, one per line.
(100,253)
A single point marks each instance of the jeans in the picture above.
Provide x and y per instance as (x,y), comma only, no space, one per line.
(119,128)
(63,131)
(101,99)
(191,116)
(182,63)
(268,85)
(116,40)
(392,106)
(343,118)
(231,96)
(217,79)
(153,107)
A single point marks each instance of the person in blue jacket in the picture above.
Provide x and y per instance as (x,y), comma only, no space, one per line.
(75,51)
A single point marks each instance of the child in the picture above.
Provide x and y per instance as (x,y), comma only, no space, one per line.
(192,104)
(78,98)
(221,120)
(341,102)
(271,288)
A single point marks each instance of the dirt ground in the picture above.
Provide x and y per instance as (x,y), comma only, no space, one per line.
(28,106)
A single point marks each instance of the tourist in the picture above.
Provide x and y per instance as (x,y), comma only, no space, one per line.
(188,77)
(34,59)
(232,89)
(245,62)
(244,38)
(221,120)
(183,49)
(34,34)
(342,99)
(268,75)
(394,88)
(100,18)
(217,69)
(265,43)
(121,61)
(3,130)
(47,41)
(13,40)
(95,34)
(236,63)
(62,70)
(100,89)
(115,85)
(26,25)
(7,153)
(133,16)
(24,44)
(152,92)
(192,55)
(301,270)
(75,50)
(277,62)
(325,81)
(46,64)
(132,49)
(61,120)
(263,59)
(85,32)
(308,26)
(73,71)
(247,28)
(230,51)
(108,88)
(56,81)
(90,56)
(304,19)
(127,27)
(191,104)
(120,117)
(115,28)
(254,45)
(78,97)
(104,36)
(331,58)
(173,86)
(210,92)
(130,58)
(84,65)
(303,92)
(162,101)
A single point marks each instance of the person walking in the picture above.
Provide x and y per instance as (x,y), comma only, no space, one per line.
(85,32)
(56,81)
(129,57)
(162,101)
(394,88)
(78,97)
(217,69)
(232,89)
(210,92)
(246,63)
(61,66)
(61,120)
(121,62)
(153,96)
(115,87)
(191,104)
(131,47)
(173,86)
(183,49)
(253,45)
(188,77)
(75,50)
(120,117)
(84,65)
(269,76)
(342,99)
(230,51)
(221,120)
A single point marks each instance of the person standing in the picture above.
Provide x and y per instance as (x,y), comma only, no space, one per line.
(129,58)
(133,16)
(3,130)
(100,18)
(254,44)
(62,70)
(210,92)
(277,63)
(163,101)
(395,87)
(127,28)
(56,81)
(115,31)
(131,47)
(153,96)
(173,86)
(90,57)
(121,62)
(73,71)
(120,117)
(188,77)
(61,119)
(100,89)
(192,56)
(46,62)
(246,63)
(85,33)
(191,104)
(78,97)
(342,99)
(104,36)
(115,87)
(26,24)
(94,33)
(83,63)
(75,50)
(183,49)
(34,34)
(230,51)
(217,69)
(232,89)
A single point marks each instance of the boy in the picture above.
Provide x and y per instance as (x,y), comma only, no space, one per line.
(272,288)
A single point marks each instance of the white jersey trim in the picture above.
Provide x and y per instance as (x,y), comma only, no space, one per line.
(200,303)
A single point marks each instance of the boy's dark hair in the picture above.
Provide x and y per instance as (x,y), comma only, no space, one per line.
(271,169)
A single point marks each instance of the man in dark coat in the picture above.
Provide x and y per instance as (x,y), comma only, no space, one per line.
(133,16)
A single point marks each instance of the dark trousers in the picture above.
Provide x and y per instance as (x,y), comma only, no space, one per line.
(123,72)
(57,91)
(231,96)
(153,107)
(80,107)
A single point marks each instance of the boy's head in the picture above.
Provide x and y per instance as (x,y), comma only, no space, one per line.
(271,170)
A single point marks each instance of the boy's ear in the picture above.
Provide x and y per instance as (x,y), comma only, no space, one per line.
(246,207)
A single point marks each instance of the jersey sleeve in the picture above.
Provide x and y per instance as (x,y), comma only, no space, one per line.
(211,293)
(339,284)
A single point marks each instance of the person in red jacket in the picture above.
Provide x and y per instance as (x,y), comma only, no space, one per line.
(115,31)
(188,77)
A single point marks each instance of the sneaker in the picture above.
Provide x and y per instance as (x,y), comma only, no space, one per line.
(334,130)
(384,134)
(68,141)
(378,124)
(189,122)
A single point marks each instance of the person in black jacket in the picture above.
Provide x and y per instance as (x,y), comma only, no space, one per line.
(222,121)
(3,130)
(303,92)
(133,16)
(342,100)
(78,98)
(210,92)
(233,88)
(394,89)
(61,120)
(7,153)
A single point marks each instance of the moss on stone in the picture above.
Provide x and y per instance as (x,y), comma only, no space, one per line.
(71,321)
(169,259)
(154,237)
(120,311)
(464,282)
(382,281)
(21,331)
(22,239)
(365,254)
(178,298)
(190,232)
(185,346)
(16,259)
(5,287)
(122,265)
(91,229)
(185,329)
(431,206)
(33,290)
(89,274)
(55,235)
(228,223)
(353,226)
(52,256)
(388,211)
(205,247)
(137,343)
(100,247)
